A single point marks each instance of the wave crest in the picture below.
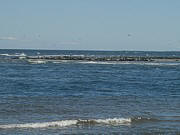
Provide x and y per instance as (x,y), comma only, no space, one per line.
(65,123)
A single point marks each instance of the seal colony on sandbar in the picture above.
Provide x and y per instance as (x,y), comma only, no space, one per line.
(101,58)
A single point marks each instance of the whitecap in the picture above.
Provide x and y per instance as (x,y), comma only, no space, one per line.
(37,61)
(160,64)
(4,54)
(41,125)
(65,123)
(15,55)
(96,62)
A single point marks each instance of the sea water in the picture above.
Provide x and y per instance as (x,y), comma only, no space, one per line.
(88,97)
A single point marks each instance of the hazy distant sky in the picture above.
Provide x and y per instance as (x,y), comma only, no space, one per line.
(90,24)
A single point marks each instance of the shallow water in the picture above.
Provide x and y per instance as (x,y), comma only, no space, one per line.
(89,97)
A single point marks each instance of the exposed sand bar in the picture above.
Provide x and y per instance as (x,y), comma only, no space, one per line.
(101,58)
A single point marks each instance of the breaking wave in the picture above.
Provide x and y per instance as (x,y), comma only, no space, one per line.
(161,63)
(65,123)
(15,55)
(90,122)
(96,62)
(37,61)
(132,63)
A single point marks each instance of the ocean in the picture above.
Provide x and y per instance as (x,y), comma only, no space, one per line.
(88,97)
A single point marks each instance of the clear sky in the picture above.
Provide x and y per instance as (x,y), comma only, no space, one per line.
(90,24)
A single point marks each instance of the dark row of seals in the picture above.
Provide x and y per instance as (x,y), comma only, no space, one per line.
(100,58)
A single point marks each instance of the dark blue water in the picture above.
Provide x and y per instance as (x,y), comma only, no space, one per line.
(89,98)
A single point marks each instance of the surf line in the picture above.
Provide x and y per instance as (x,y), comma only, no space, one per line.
(65,123)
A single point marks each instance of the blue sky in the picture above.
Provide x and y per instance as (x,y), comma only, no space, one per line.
(90,24)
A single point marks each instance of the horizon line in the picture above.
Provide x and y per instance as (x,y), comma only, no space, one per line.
(88,50)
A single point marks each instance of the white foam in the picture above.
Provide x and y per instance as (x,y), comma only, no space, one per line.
(78,55)
(65,123)
(41,125)
(15,55)
(123,63)
(61,61)
(96,62)
(160,64)
(22,54)
(37,61)
(114,121)
(57,62)
(4,54)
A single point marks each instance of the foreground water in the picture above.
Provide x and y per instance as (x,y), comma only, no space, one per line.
(89,97)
